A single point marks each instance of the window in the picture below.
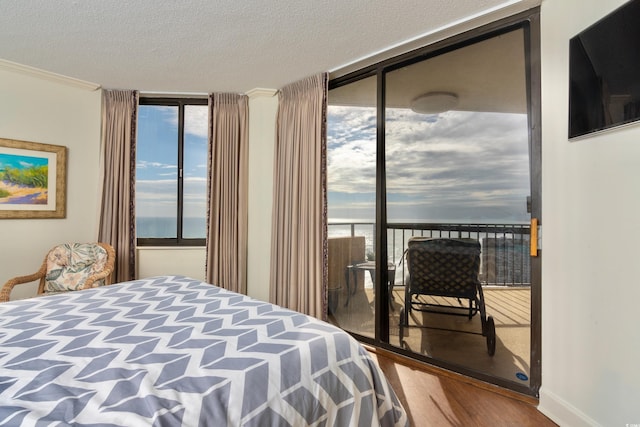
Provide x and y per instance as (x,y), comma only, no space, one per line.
(171,172)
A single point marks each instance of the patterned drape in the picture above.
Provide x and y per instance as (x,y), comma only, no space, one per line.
(299,230)
(117,211)
(227,212)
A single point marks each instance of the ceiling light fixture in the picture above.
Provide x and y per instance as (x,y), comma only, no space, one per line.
(434,102)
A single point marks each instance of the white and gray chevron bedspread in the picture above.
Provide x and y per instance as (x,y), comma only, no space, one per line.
(173,351)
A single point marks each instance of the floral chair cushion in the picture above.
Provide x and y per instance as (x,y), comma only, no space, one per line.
(69,265)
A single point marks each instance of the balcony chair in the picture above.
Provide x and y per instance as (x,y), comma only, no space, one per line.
(445,268)
(69,267)
(343,252)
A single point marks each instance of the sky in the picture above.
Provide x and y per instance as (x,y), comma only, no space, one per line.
(21,162)
(468,167)
(156,163)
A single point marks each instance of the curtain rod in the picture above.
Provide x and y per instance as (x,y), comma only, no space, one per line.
(151,94)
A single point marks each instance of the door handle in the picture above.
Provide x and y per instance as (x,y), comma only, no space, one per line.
(533,238)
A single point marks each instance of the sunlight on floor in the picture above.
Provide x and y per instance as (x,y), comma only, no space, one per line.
(461,343)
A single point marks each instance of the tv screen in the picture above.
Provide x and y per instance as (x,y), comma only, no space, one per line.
(604,72)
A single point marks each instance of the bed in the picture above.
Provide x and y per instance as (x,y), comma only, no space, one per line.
(173,351)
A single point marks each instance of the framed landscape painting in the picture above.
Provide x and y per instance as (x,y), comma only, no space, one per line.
(32,179)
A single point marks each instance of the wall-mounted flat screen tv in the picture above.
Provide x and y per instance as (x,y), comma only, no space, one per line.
(604,72)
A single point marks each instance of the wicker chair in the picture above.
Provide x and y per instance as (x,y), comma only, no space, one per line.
(69,267)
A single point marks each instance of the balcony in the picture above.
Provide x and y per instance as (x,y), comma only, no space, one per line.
(505,247)
(504,275)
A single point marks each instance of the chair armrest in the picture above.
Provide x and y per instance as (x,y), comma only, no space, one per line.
(5,292)
(104,274)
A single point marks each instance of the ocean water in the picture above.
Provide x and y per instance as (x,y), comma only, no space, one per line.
(343,230)
(504,260)
(508,258)
(396,240)
(163,227)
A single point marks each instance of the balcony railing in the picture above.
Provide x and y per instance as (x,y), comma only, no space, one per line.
(505,247)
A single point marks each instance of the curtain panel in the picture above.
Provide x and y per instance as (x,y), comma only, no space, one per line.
(117,170)
(299,223)
(227,200)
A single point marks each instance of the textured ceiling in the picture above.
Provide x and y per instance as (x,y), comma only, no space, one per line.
(215,46)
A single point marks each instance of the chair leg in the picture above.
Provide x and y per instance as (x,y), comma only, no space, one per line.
(407,309)
(404,315)
(491,336)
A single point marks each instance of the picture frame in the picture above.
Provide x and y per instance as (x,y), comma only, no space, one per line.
(33,179)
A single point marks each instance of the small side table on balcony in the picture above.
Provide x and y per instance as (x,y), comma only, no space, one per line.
(370,266)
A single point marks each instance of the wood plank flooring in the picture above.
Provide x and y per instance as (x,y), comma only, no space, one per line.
(435,397)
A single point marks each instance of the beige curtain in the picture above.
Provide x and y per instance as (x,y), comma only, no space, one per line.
(299,231)
(118,166)
(227,223)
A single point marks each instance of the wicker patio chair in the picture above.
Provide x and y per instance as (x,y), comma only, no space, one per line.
(69,267)
(446,268)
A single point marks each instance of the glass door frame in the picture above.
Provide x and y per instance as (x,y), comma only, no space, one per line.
(529,22)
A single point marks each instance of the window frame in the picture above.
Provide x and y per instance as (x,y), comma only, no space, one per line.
(177,241)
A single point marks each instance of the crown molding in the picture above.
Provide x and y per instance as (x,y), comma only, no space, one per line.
(261,93)
(47,75)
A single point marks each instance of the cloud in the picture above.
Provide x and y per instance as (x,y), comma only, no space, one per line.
(158,197)
(148,171)
(196,120)
(143,164)
(454,165)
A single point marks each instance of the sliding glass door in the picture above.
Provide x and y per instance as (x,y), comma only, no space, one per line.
(458,180)
(351,172)
(434,202)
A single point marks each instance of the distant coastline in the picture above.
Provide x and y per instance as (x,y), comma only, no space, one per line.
(165,227)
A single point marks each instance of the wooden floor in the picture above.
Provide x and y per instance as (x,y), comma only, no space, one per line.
(433,397)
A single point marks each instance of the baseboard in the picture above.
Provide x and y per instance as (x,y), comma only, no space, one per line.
(562,412)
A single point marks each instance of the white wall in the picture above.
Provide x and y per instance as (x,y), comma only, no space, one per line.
(35,108)
(263,108)
(160,261)
(52,112)
(591,206)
